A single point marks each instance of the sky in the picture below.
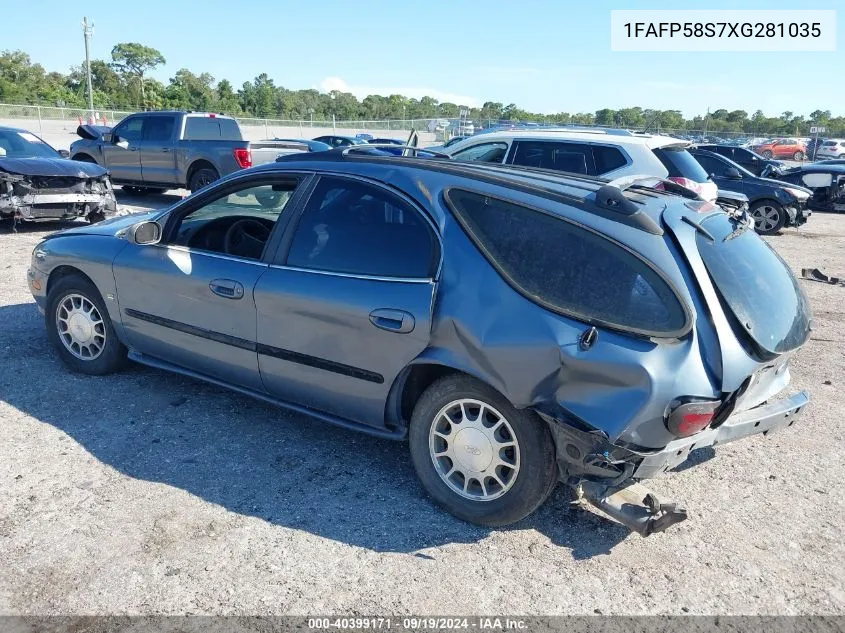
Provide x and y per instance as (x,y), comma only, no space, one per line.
(550,56)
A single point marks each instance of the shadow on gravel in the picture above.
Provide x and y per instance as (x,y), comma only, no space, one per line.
(253,458)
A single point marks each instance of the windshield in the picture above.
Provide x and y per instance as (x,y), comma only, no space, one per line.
(25,145)
(756,284)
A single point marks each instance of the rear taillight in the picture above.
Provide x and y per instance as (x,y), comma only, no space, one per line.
(243,157)
(686,182)
(689,418)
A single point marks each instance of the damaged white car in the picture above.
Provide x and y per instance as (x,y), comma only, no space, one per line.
(38,182)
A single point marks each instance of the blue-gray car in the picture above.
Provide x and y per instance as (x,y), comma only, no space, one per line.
(519,327)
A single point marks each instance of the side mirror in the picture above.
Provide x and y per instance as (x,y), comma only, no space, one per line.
(147,232)
(733,173)
(64,153)
(108,137)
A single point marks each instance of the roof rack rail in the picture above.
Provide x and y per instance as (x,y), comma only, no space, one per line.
(405,149)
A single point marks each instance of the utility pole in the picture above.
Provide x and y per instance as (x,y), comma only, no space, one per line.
(88,31)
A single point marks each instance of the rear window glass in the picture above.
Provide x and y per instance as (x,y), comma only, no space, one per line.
(756,284)
(203,128)
(569,269)
(680,163)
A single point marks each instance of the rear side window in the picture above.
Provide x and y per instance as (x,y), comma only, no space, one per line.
(576,158)
(357,228)
(569,269)
(206,128)
(607,159)
(680,163)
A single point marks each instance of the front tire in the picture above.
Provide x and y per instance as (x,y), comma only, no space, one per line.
(767,155)
(769,217)
(477,456)
(798,156)
(79,327)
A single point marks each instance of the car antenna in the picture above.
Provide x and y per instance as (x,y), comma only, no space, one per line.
(650,123)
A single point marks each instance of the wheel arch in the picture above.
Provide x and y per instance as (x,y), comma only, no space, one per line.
(63,271)
(199,163)
(418,376)
(84,157)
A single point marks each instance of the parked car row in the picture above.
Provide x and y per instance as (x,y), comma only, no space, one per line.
(517,316)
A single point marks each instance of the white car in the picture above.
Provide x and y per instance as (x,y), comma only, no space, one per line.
(592,151)
(831,148)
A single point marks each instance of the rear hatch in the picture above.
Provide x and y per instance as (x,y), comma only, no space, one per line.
(766,309)
(757,286)
(685,170)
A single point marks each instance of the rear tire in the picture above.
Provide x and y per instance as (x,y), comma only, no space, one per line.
(79,327)
(501,459)
(769,217)
(202,177)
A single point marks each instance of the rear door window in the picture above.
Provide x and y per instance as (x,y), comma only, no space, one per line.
(352,227)
(569,269)
(576,158)
(159,128)
(680,163)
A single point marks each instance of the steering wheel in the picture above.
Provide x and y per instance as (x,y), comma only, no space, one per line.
(246,238)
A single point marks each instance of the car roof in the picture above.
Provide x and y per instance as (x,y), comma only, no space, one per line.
(593,135)
(6,128)
(631,204)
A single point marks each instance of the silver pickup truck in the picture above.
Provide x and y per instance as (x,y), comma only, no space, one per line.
(150,152)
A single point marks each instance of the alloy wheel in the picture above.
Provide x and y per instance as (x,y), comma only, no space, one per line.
(474,450)
(81,327)
(766,217)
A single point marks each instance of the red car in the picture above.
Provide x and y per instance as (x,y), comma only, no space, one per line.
(782,148)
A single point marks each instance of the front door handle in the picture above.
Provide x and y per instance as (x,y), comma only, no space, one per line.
(393,320)
(227,288)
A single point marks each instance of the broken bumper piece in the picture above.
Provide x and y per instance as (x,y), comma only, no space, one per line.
(764,419)
(633,505)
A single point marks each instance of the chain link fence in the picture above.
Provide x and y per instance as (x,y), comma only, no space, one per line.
(441,127)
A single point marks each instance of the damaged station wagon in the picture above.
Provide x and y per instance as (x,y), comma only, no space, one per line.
(38,182)
(519,327)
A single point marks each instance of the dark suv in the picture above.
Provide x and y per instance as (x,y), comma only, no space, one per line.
(520,327)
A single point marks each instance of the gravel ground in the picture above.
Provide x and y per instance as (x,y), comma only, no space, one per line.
(149,493)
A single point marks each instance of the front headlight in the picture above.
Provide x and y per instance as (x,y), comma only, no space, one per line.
(798,194)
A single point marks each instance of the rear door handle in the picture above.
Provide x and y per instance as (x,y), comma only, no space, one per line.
(393,320)
(227,288)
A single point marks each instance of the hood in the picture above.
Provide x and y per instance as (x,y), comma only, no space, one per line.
(759,180)
(51,167)
(109,227)
(92,132)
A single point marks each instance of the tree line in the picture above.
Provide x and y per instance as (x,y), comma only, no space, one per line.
(122,84)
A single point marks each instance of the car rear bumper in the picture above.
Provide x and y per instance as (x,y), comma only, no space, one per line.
(764,419)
